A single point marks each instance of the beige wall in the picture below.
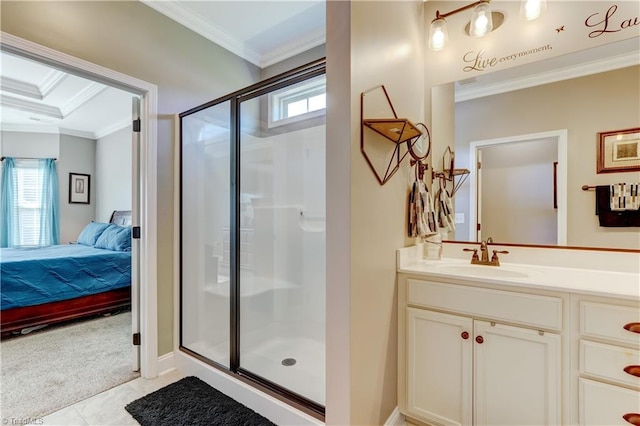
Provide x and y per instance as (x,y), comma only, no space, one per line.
(338,237)
(584,106)
(374,43)
(131,38)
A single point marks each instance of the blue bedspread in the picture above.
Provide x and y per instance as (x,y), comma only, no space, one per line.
(32,276)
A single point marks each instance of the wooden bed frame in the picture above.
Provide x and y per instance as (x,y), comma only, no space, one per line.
(16,319)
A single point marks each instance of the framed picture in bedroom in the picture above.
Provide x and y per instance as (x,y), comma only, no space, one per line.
(619,151)
(79,188)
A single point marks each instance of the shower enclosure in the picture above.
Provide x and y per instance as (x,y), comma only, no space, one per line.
(252,245)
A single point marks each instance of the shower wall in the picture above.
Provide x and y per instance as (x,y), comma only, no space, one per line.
(283,211)
(282,262)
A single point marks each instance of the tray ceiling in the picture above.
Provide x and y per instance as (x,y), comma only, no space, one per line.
(37,98)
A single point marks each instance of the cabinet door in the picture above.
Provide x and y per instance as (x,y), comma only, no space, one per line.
(439,360)
(603,404)
(517,374)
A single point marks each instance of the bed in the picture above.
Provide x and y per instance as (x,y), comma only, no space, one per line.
(41,286)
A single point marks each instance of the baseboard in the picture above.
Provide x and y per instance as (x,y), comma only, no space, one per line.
(395,419)
(166,363)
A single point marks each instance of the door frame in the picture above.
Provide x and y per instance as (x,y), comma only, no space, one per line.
(148,308)
(561,136)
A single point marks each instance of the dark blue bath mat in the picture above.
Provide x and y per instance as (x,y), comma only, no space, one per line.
(190,401)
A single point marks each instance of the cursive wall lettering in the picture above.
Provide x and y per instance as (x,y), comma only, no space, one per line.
(477,61)
(608,24)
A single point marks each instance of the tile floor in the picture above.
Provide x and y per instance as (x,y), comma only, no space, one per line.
(107,408)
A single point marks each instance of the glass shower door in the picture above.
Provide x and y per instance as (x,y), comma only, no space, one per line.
(282,238)
(205,236)
(252,237)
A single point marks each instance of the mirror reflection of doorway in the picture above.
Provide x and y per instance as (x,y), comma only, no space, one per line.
(517,186)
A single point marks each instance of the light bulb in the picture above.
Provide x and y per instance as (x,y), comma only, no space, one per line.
(437,40)
(480,25)
(481,20)
(438,34)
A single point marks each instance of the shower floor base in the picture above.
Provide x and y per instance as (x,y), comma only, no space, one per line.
(264,358)
(305,377)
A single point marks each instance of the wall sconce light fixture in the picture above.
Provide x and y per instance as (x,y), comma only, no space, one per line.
(481,23)
(483,20)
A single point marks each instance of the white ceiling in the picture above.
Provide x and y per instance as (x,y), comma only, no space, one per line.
(263,32)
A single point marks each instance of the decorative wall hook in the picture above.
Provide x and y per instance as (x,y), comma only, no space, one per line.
(449,173)
(421,168)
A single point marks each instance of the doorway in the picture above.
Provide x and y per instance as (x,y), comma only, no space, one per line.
(146,297)
(518,184)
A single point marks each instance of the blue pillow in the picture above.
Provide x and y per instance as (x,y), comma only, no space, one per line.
(115,237)
(92,232)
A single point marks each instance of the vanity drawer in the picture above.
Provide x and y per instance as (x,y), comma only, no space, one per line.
(609,363)
(503,306)
(602,404)
(606,321)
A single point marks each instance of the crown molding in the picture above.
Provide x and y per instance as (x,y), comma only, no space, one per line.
(85,95)
(30,128)
(21,88)
(77,133)
(195,23)
(30,90)
(609,64)
(29,106)
(293,49)
(51,81)
(45,128)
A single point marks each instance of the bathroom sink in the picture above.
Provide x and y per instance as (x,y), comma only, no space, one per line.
(482,270)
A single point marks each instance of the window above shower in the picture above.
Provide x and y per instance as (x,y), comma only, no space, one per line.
(298,103)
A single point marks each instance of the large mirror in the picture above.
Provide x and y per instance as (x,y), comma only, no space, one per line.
(534,130)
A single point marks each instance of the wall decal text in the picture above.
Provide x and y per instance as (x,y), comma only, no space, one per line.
(607,23)
(478,61)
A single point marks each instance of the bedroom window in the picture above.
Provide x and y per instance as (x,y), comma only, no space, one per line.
(30,213)
(29,182)
(300,103)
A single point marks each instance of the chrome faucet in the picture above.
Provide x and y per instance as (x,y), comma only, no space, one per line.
(483,259)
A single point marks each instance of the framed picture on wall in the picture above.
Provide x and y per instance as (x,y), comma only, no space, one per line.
(619,151)
(79,188)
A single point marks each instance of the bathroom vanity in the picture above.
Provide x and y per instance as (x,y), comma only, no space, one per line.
(518,343)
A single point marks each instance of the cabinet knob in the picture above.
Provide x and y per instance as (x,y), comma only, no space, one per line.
(464,335)
(632,418)
(480,339)
(633,327)
(634,370)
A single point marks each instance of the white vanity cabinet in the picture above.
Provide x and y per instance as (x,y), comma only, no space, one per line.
(609,361)
(475,355)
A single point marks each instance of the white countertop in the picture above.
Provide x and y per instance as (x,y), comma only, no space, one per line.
(575,280)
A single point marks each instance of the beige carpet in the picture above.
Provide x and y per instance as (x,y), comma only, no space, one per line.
(50,369)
